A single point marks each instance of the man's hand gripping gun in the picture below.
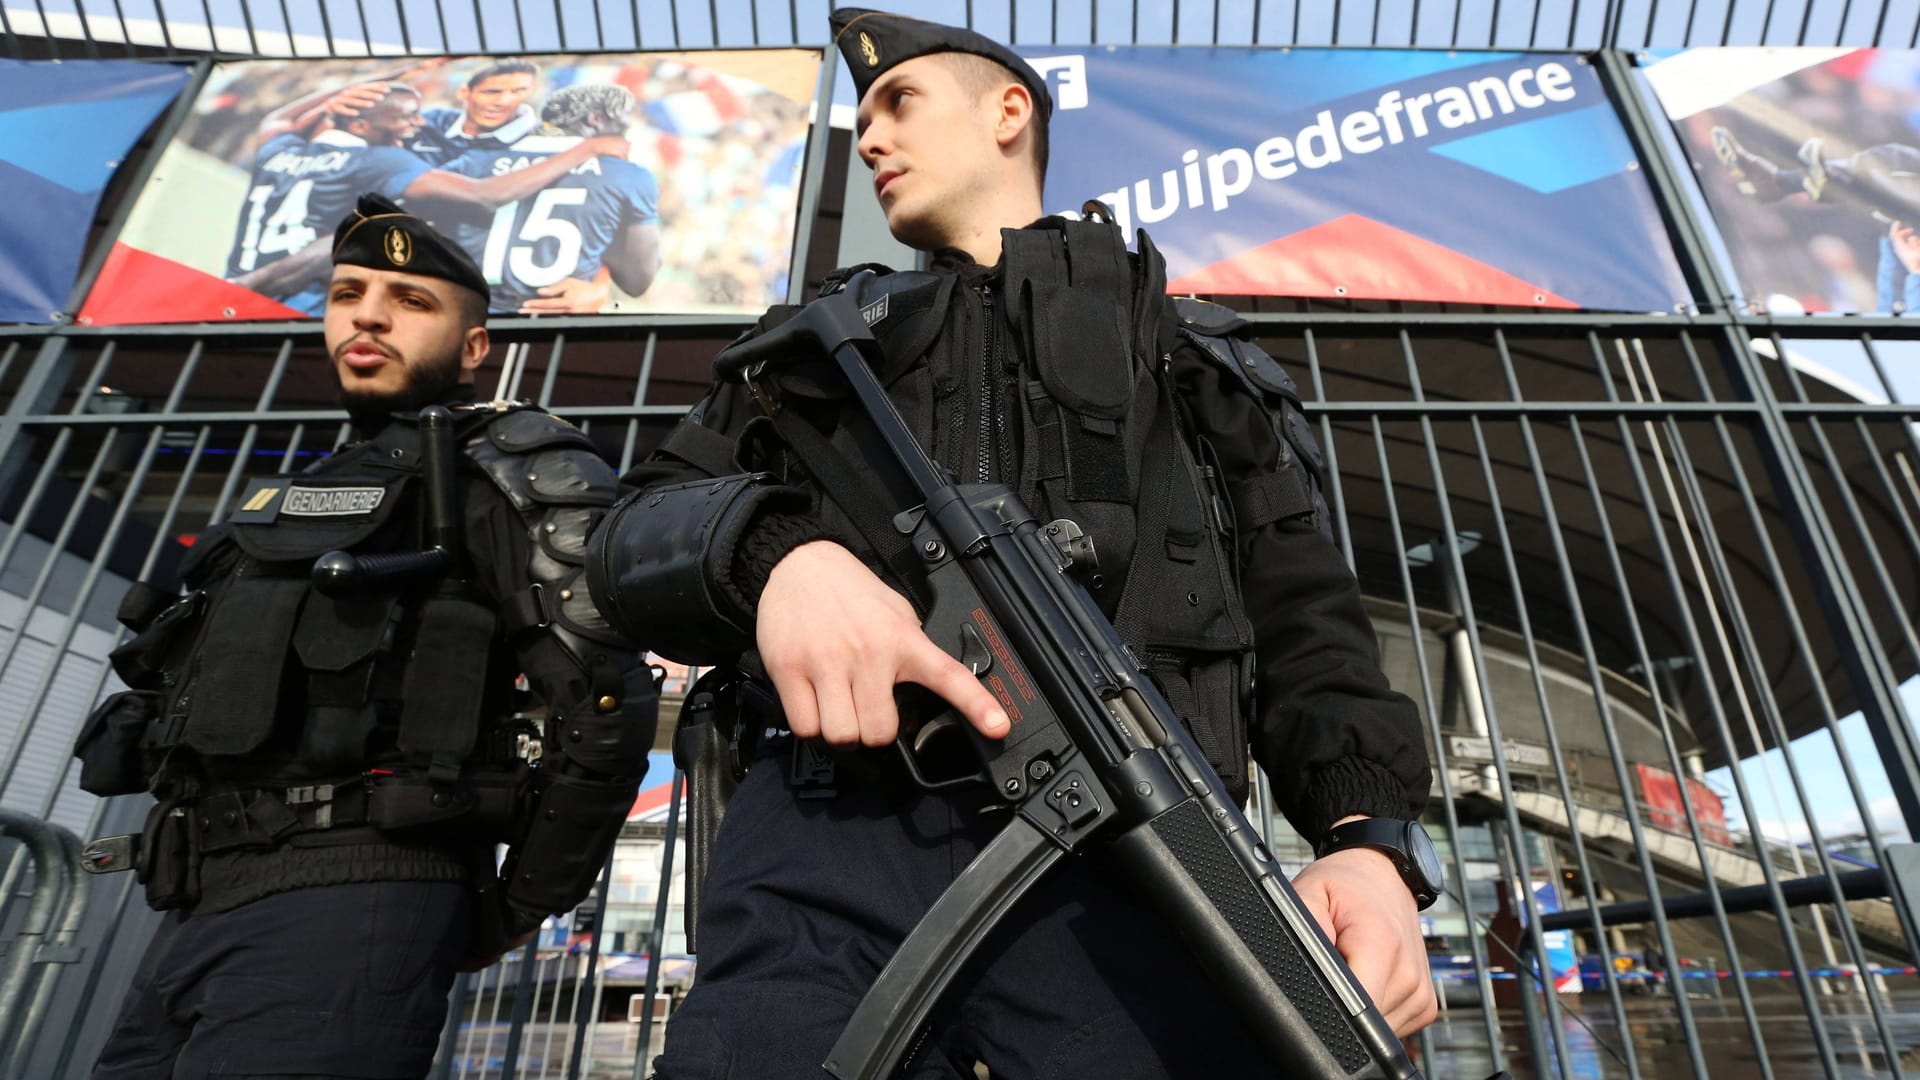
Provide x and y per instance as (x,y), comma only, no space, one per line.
(1096,760)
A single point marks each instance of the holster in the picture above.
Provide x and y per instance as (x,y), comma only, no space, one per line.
(494,924)
(705,748)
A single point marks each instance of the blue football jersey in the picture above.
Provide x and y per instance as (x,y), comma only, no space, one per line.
(441,137)
(559,232)
(302,188)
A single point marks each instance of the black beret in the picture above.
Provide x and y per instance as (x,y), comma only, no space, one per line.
(381,236)
(874,41)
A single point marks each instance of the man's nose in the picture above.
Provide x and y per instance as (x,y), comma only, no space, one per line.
(874,143)
(370,314)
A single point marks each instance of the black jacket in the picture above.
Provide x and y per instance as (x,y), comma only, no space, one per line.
(1331,734)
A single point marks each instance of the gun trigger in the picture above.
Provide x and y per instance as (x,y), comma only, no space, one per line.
(974,652)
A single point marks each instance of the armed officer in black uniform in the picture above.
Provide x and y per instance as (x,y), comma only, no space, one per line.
(1036,352)
(337,752)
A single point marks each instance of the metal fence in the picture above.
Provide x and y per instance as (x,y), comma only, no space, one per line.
(1602,551)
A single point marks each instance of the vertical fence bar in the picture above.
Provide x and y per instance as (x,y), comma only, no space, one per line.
(1649,665)
(587,1016)
(1496,1045)
(1715,710)
(1554,751)
(1336,491)
(1722,575)
(1463,593)
(450,1033)
(639,400)
(1803,648)
(657,939)
(522,1005)
(1840,594)
(1677,982)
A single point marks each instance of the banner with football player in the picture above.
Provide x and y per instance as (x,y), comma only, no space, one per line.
(64,129)
(581,184)
(1809,160)
(1471,177)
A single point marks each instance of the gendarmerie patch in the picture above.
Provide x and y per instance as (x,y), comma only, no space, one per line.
(266,500)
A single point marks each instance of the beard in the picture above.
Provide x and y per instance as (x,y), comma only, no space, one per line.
(429,381)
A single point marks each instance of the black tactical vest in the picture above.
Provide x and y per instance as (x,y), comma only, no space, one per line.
(277,683)
(1101,439)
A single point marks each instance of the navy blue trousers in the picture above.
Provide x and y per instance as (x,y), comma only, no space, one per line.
(340,981)
(808,898)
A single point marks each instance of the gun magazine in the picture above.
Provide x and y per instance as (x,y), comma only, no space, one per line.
(1195,878)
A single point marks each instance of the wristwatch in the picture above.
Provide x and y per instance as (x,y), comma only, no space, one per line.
(1405,842)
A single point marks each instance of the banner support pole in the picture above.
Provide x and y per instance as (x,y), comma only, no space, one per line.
(813,177)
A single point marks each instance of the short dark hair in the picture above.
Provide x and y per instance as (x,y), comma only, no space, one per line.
(470,306)
(503,67)
(569,109)
(980,76)
(394,90)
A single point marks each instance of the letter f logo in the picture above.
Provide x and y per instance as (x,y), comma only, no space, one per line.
(1066,77)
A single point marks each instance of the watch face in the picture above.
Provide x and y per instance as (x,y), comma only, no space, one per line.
(1425,858)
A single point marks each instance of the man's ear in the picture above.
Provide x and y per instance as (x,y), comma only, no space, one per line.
(474,348)
(1015,114)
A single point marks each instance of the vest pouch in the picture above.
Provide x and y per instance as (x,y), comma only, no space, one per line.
(483,806)
(338,641)
(235,686)
(142,662)
(1087,369)
(1204,690)
(446,679)
(169,860)
(1197,605)
(108,746)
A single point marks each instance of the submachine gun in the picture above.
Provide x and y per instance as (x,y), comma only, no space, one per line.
(1096,759)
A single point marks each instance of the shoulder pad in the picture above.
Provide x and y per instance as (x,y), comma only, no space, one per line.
(770,319)
(1208,319)
(541,460)
(521,430)
(837,280)
(1219,331)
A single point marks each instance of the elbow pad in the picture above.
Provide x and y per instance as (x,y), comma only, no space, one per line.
(659,564)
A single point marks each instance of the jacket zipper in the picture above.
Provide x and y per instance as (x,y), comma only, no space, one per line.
(989,384)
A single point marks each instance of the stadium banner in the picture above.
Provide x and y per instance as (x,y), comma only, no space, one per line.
(64,128)
(1473,177)
(1809,160)
(598,183)
(1667,811)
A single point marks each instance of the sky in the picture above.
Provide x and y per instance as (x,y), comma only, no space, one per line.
(563,25)
(1818,764)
